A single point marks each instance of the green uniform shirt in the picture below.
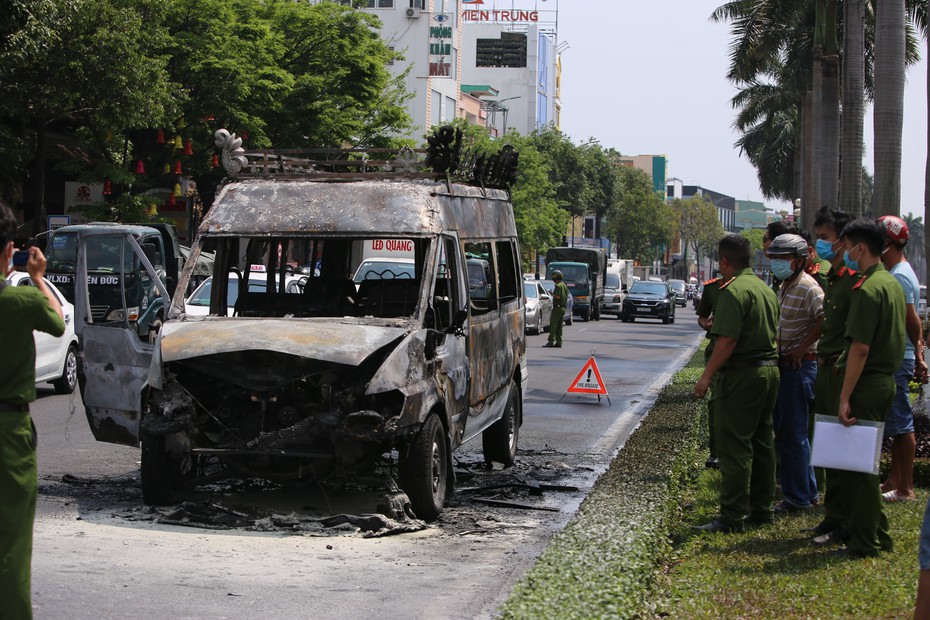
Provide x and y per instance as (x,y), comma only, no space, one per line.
(22,310)
(820,271)
(706,308)
(560,295)
(747,311)
(876,318)
(836,300)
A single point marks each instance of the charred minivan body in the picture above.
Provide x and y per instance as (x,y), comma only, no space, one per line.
(327,377)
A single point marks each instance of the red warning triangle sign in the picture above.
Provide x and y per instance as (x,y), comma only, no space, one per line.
(589,380)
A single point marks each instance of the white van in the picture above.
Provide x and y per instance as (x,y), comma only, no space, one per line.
(330,379)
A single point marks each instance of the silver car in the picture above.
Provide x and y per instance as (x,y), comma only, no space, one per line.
(538,307)
(613,295)
(549,285)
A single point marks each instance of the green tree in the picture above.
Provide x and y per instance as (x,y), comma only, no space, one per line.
(699,226)
(755,239)
(67,81)
(643,224)
(566,166)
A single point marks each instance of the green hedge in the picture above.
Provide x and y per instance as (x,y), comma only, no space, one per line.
(604,562)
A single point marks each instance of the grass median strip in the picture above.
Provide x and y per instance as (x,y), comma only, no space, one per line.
(604,563)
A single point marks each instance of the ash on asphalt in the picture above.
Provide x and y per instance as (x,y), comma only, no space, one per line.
(487,501)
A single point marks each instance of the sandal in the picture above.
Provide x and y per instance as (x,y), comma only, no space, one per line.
(892,496)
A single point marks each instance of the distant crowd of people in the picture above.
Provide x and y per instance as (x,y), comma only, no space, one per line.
(836,334)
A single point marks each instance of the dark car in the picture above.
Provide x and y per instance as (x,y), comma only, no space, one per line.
(653,300)
(680,288)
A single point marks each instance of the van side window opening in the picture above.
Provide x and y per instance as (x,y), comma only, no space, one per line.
(479,263)
(446,293)
(507,271)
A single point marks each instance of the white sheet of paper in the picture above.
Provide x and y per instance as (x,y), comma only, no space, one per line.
(851,448)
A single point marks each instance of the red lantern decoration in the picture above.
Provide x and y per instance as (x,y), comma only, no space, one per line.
(171,201)
(216,160)
(188,147)
(106,188)
(177,167)
(160,137)
(245,134)
(140,167)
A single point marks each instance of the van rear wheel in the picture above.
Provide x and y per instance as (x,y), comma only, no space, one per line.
(424,469)
(500,439)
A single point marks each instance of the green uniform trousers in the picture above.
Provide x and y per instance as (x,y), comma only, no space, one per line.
(556,321)
(866,520)
(827,389)
(18,490)
(711,415)
(745,442)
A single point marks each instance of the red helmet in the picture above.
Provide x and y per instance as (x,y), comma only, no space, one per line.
(895,227)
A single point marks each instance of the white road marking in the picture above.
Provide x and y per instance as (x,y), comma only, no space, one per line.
(610,440)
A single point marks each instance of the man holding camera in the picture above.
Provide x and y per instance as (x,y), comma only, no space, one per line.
(22,310)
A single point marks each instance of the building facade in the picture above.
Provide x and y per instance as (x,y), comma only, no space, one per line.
(492,62)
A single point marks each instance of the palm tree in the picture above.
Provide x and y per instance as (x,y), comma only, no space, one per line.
(850,192)
(914,250)
(890,28)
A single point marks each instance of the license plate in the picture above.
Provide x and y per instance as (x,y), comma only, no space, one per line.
(643,309)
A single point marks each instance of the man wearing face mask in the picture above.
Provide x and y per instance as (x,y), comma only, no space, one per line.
(801,317)
(828,225)
(22,310)
(899,423)
(875,334)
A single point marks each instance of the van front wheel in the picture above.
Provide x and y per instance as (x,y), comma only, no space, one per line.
(424,469)
(500,439)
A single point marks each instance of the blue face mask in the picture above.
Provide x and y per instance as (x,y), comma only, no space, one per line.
(852,264)
(781,268)
(825,249)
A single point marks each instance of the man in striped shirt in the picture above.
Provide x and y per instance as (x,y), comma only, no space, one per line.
(800,300)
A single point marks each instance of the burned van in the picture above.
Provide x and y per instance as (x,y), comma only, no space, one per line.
(326,377)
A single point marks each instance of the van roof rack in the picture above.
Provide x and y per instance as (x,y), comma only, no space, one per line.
(442,159)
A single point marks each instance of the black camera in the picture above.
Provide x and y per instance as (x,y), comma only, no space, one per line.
(21,257)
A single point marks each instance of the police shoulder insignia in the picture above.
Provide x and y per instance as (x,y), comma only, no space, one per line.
(815,269)
(711,281)
(859,283)
(727,283)
(846,271)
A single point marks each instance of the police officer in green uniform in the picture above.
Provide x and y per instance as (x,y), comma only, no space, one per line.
(746,356)
(828,225)
(875,333)
(22,310)
(705,313)
(556,319)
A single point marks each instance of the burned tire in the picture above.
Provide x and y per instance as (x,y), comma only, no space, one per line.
(161,471)
(68,380)
(501,438)
(424,469)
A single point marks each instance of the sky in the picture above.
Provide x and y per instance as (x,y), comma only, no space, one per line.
(649,78)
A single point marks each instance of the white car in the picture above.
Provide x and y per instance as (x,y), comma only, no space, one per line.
(56,358)
(384,269)
(198,304)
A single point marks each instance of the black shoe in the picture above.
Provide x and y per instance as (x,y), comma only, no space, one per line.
(718,526)
(785,507)
(838,536)
(558,346)
(712,462)
(824,527)
(759,520)
(549,345)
